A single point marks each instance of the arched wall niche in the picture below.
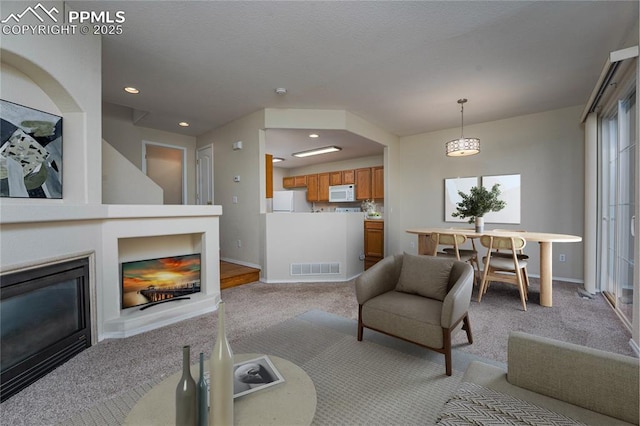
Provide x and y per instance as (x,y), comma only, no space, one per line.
(81,122)
(52,87)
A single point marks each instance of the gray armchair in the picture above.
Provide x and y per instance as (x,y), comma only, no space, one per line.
(420,299)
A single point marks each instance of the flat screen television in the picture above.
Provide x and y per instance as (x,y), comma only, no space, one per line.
(153,281)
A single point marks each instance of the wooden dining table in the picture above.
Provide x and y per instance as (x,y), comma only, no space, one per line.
(545,240)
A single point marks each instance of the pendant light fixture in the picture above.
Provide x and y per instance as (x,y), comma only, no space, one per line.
(463,146)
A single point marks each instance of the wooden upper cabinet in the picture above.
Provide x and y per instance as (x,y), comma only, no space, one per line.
(323,186)
(269,175)
(312,187)
(377,183)
(363,183)
(288,182)
(294,181)
(370,183)
(335,178)
(342,177)
(348,177)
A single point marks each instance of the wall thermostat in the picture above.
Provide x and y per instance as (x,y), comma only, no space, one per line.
(237,145)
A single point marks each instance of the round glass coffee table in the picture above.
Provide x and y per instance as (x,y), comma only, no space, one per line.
(291,402)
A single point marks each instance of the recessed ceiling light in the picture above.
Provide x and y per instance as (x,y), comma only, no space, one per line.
(314,135)
(323,150)
(131,90)
(183,124)
(277,159)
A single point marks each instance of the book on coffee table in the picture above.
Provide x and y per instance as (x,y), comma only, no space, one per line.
(253,375)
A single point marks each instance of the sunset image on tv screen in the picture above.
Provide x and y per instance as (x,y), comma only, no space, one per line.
(157,280)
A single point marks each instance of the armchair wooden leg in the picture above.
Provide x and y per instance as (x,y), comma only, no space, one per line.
(360,323)
(467,328)
(446,335)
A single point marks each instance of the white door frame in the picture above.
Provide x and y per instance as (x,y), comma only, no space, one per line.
(198,179)
(184,163)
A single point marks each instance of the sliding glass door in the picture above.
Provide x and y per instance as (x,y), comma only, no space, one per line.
(618,199)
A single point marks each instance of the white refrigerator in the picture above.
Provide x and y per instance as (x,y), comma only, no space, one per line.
(291,201)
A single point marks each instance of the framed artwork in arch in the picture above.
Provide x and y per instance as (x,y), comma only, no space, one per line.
(30,152)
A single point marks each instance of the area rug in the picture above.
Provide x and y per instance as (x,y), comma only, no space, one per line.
(366,382)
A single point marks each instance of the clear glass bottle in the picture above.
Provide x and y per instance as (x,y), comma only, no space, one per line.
(186,393)
(202,395)
(221,377)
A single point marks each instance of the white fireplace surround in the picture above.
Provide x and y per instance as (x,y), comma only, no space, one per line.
(62,75)
(35,235)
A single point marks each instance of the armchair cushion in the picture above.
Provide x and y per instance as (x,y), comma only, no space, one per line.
(414,280)
(407,316)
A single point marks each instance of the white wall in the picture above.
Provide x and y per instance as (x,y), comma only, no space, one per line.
(278,174)
(546,149)
(313,238)
(240,221)
(124,183)
(120,132)
(355,163)
(165,166)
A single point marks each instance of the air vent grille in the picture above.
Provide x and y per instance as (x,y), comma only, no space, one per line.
(315,268)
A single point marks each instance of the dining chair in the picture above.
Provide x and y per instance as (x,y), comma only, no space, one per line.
(505,267)
(520,252)
(452,243)
(466,252)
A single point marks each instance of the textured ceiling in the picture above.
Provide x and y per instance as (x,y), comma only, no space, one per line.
(401,65)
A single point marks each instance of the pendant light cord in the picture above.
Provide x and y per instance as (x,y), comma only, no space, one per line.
(461,120)
(462,102)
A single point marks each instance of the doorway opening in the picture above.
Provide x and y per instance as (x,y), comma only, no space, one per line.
(166,166)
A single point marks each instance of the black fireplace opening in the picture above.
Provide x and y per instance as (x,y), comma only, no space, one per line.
(44,321)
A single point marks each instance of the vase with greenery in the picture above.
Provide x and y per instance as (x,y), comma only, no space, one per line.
(477,203)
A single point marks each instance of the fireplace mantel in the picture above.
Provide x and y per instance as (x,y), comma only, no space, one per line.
(31,213)
(38,233)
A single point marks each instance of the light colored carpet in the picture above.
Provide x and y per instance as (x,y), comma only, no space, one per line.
(583,321)
(356,382)
(115,366)
(111,373)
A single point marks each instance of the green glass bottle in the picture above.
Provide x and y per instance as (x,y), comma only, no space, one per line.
(202,392)
(186,393)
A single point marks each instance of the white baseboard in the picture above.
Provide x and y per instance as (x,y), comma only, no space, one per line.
(568,280)
(309,279)
(635,347)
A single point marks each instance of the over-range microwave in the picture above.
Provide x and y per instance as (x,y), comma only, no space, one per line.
(342,193)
